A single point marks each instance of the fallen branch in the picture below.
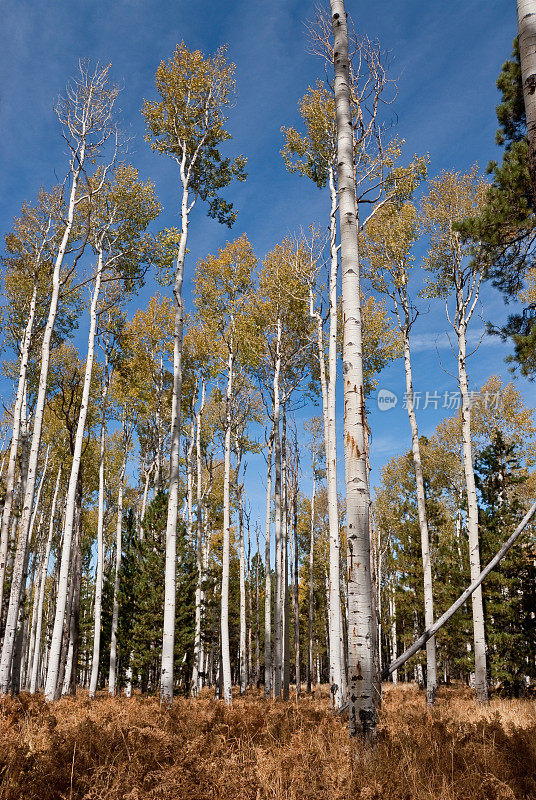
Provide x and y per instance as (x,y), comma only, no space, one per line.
(433,629)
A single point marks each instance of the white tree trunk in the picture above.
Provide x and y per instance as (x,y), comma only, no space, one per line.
(242,568)
(118,553)
(268,576)
(20,556)
(392,616)
(57,633)
(225,652)
(362,709)
(168,635)
(99,576)
(278,627)
(431,673)
(12,463)
(198,650)
(481,681)
(41,590)
(526,31)
(310,678)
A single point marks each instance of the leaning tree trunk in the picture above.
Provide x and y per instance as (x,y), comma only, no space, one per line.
(481,681)
(362,709)
(268,577)
(526,32)
(61,602)
(168,634)
(224,617)
(99,577)
(431,674)
(12,463)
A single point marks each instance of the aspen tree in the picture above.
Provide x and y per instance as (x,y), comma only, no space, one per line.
(362,706)
(85,114)
(188,125)
(121,214)
(526,34)
(456,271)
(390,237)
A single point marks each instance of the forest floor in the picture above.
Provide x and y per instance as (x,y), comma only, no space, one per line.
(120,749)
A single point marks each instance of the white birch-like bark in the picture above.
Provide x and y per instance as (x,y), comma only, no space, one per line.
(362,709)
(18,568)
(61,602)
(242,581)
(268,576)
(311,579)
(526,32)
(392,617)
(431,670)
(284,560)
(168,635)
(99,576)
(118,554)
(198,651)
(12,463)
(278,619)
(481,681)
(41,590)
(224,619)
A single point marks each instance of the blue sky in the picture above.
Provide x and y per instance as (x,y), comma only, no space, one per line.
(445,57)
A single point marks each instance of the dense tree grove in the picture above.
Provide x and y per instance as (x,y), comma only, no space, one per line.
(131,558)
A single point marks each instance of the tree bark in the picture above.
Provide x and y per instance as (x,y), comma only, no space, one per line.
(224,619)
(431,672)
(118,553)
(268,576)
(362,709)
(278,619)
(198,650)
(168,635)
(55,646)
(526,32)
(311,585)
(99,577)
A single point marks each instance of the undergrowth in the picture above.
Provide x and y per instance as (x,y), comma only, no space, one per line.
(119,749)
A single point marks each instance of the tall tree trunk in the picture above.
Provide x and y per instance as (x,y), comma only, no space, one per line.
(224,619)
(268,576)
(99,576)
(168,634)
(431,672)
(526,32)
(118,553)
(55,646)
(15,438)
(41,590)
(481,681)
(284,560)
(278,619)
(392,616)
(311,583)
(296,589)
(242,569)
(17,576)
(257,615)
(362,710)
(198,650)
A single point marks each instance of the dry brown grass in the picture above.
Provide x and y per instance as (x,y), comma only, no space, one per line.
(136,750)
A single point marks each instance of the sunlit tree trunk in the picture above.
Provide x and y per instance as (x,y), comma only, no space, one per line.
(242,580)
(168,635)
(225,651)
(41,589)
(311,582)
(481,681)
(18,568)
(99,576)
(268,576)
(362,709)
(278,618)
(526,32)
(198,650)
(431,674)
(118,553)
(284,560)
(55,646)
(15,438)
(392,616)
